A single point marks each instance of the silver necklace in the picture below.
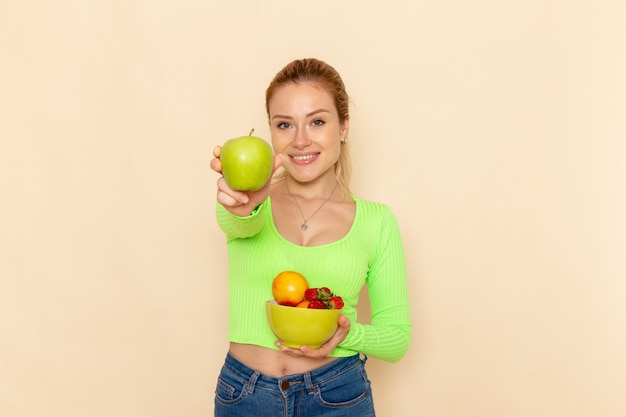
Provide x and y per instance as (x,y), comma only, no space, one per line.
(304,224)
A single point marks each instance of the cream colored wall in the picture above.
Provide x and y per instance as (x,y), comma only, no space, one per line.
(495,130)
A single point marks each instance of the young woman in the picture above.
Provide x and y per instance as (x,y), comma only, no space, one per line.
(307,220)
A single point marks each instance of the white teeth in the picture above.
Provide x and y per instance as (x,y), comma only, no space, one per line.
(303,157)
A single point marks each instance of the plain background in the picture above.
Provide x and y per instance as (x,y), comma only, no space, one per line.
(494,129)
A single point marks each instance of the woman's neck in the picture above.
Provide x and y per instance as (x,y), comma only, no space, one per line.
(320,188)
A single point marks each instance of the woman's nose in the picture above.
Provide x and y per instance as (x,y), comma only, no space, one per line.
(301,138)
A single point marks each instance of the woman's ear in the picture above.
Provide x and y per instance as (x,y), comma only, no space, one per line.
(345,129)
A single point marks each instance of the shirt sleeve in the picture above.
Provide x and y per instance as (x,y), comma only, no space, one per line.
(236,227)
(389,334)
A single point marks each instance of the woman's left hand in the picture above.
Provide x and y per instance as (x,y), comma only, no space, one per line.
(326,348)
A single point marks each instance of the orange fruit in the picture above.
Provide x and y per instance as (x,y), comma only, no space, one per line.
(288,288)
(304,304)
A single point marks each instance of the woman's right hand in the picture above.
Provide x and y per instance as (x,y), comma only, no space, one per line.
(240,203)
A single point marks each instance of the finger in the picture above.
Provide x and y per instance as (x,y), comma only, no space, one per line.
(227,200)
(217,151)
(307,351)
(343,322)
(288,350)
(278,161)
(216,165)
(238,196)
(340,334)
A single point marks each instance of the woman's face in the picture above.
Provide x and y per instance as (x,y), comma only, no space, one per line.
(306,130)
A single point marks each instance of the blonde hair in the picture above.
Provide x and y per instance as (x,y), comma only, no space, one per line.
(324,75)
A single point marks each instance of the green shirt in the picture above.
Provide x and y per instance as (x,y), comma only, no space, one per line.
(371,254)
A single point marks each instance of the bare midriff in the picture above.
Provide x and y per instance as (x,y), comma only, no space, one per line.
(274,362)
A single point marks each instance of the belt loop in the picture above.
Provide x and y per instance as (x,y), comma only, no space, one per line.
(252,382)
(309,383)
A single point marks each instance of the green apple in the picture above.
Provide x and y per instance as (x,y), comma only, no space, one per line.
(247,162)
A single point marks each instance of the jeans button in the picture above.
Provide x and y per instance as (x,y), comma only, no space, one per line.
(284,385)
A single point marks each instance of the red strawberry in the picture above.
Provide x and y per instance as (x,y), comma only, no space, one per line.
(335,302)
(310,294)
(325,291)
(324,294)
(318,304)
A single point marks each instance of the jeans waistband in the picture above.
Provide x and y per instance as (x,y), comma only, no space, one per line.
(310,378)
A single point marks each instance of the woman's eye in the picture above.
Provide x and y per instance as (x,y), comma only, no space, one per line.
(283,125)
(318,122)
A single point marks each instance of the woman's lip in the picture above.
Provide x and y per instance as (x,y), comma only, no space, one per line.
(304,158)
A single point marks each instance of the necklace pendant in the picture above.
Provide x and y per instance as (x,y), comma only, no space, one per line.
(305,226)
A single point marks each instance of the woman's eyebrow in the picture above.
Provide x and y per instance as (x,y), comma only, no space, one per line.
(313,113)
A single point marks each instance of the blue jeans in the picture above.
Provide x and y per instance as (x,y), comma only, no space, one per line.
(339,388)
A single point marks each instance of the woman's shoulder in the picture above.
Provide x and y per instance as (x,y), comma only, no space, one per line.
(370,204)
(372,209)
(375,222)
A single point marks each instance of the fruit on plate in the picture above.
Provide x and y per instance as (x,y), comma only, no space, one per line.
(247,162)
(288,288)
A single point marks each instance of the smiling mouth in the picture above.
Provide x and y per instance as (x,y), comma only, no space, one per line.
(304,157)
